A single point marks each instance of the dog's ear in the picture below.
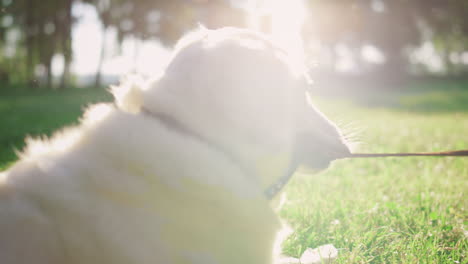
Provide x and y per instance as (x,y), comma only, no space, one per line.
(128,95)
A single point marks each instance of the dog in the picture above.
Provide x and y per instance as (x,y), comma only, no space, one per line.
(179,170)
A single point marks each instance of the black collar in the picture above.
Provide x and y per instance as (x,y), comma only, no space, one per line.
(171,123)
(276,187)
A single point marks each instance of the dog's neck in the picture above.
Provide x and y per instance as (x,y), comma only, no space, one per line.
(173,124)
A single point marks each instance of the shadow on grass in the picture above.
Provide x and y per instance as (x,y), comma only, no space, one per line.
(418,96)
(437,101)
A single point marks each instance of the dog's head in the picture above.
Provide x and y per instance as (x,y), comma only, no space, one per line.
(238,91)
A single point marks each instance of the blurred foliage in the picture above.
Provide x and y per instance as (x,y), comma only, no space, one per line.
(33,32)
(393,26)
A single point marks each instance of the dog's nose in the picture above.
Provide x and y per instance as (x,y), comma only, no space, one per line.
(317,152)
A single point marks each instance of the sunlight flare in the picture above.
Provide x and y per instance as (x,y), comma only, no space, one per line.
(285,19)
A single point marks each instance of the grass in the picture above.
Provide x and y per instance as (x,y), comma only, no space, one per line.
(392,210)
(37,113)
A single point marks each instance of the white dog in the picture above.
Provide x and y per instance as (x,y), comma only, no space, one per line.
(179,171)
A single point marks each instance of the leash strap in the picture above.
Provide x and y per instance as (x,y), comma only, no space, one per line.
(456,153)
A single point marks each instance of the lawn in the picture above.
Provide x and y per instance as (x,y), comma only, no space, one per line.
(38,113)
(391,210)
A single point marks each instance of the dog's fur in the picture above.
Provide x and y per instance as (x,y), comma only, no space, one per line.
(176,171)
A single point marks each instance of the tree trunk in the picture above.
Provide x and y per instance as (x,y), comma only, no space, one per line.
(97,81)
(65,78)
(66,46)
(447,49)
(49,76)
(394,71)
(29,39)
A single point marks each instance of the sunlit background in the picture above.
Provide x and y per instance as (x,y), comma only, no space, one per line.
(99,40)
(285,17)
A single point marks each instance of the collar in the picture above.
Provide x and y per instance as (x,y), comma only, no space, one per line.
(172,123)
(276,187)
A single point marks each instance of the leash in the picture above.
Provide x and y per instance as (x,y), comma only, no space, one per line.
(455,153)
(275,188)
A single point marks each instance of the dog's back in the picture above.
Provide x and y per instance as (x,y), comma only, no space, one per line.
(131,189)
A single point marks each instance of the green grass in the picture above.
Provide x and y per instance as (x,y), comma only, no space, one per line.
(392,210)
(37,113)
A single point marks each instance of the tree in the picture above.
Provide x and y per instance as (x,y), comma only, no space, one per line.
(45,28)
(393,26)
